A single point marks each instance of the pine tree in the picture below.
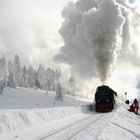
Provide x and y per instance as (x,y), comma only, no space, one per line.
(71,86)
(59,93)
(17,70)
(3,68)
(10,82)
(24,77)
(36,82)
(14,75)
(50,80)
(3,72)
(2,85)
(42,76)
(57,75)
(30,77)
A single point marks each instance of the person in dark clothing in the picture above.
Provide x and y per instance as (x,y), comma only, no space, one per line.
(134,107)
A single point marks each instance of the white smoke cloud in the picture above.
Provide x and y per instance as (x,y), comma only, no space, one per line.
(97,33)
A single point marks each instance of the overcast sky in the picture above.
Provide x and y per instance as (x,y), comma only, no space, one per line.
(30,29)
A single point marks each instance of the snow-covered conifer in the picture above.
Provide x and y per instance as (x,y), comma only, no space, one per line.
(10,82)
(24,77)
(42,76)
(71,86)
(3,69)
(17,70)
(50,79)
(30,77)
(2,85)
(36,82)
(59,93)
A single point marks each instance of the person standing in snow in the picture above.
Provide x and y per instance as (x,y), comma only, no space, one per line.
(134,107)
(125,95)
(126,100)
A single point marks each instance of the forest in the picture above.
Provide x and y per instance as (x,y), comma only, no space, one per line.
(13,74)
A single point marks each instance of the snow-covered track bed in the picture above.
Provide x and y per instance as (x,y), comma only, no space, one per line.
(94,130)
(70,131)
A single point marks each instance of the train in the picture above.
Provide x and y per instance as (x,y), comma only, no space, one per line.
(104,99)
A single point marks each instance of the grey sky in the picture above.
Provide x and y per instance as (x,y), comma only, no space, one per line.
(30,29)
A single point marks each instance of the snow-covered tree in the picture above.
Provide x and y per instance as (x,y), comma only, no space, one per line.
(11,79)
(59,93)
(42,76)
(50,79)
(71,86)
(17,70)
(24,77)
(15,75)
(57,75)
(3,72)
(2,63)
(30,77)
(2,85)
(10,66)
(3,68)
(10,82)
(36,82)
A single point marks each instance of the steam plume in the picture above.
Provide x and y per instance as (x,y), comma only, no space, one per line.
(94,33)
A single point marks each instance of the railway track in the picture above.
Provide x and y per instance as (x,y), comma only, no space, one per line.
(72,130)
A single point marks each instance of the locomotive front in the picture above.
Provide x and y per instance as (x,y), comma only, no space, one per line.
(104,99)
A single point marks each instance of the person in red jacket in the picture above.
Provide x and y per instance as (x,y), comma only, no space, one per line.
(134,107)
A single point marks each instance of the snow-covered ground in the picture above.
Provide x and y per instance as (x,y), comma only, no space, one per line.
(27,114)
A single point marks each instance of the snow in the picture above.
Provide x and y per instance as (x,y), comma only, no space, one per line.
(29,114)
(122,125)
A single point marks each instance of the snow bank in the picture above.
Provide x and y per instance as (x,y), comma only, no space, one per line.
(23,108)
(122,125)
(11,120)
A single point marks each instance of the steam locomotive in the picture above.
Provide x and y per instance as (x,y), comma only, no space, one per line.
(104,99)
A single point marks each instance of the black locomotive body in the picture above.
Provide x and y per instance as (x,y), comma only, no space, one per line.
(104,99)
